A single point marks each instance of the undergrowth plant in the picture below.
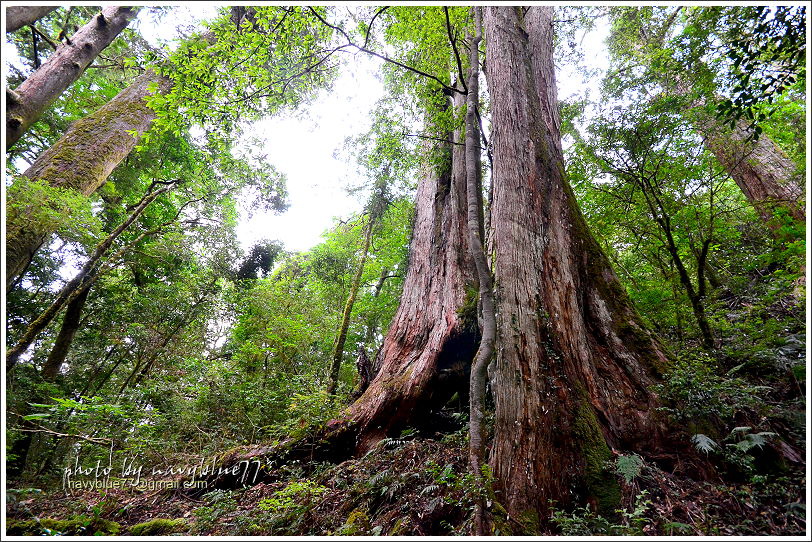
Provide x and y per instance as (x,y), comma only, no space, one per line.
(582,521)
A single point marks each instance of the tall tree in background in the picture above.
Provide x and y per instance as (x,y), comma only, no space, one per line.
(82,159)
(766,176)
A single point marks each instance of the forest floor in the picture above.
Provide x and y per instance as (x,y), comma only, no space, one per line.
(413,485)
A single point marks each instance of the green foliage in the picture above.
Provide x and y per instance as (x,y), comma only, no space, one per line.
(220,504)
(75,526)
(64,210)
(358,524)
(629,467)
(275,58)
(306,414)
(290,498)
(767,52)
(585,522)
(283,512)
(696,393)
(738,450)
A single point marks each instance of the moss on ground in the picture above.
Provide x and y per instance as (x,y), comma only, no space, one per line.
(158,527)
(77,525)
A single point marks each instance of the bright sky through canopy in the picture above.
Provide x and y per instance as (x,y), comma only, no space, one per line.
(302,145)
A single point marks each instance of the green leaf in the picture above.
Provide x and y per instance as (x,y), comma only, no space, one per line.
(37,416)
(704,443)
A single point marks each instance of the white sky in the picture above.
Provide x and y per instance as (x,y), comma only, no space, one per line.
(303,149)
(302,146)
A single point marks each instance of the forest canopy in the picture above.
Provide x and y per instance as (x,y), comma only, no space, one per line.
(569,298)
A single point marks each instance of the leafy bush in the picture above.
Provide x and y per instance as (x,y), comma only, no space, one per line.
(585,522)
(307,413)
(695,392)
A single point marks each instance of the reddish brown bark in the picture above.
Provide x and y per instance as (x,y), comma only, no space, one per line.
(81,160)
(20,16)
(574,363)
(428,338)
(28,101)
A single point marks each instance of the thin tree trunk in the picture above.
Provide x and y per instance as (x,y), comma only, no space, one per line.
(429,338)
(62,69)
(20,16)
(695,295)
(479,374)
(338,349)
(77,285)
(372,323)
(81,160)
(575,363)
(70,325)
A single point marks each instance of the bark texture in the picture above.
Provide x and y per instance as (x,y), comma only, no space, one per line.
(81,160)
(765,174)
(574,362)
(429,341)
(20,16)
(63,68)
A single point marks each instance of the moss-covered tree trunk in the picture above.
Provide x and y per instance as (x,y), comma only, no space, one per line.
(81,160)
(20,16)
(338,348)
(27,102)
(574,363)
(430,343)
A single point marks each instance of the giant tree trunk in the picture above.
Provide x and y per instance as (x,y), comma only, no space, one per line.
(25,104)
(430,343)
(81,160)
(574,362)
(20,16)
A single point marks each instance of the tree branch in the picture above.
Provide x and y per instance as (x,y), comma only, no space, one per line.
(382,57)
(453,41)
